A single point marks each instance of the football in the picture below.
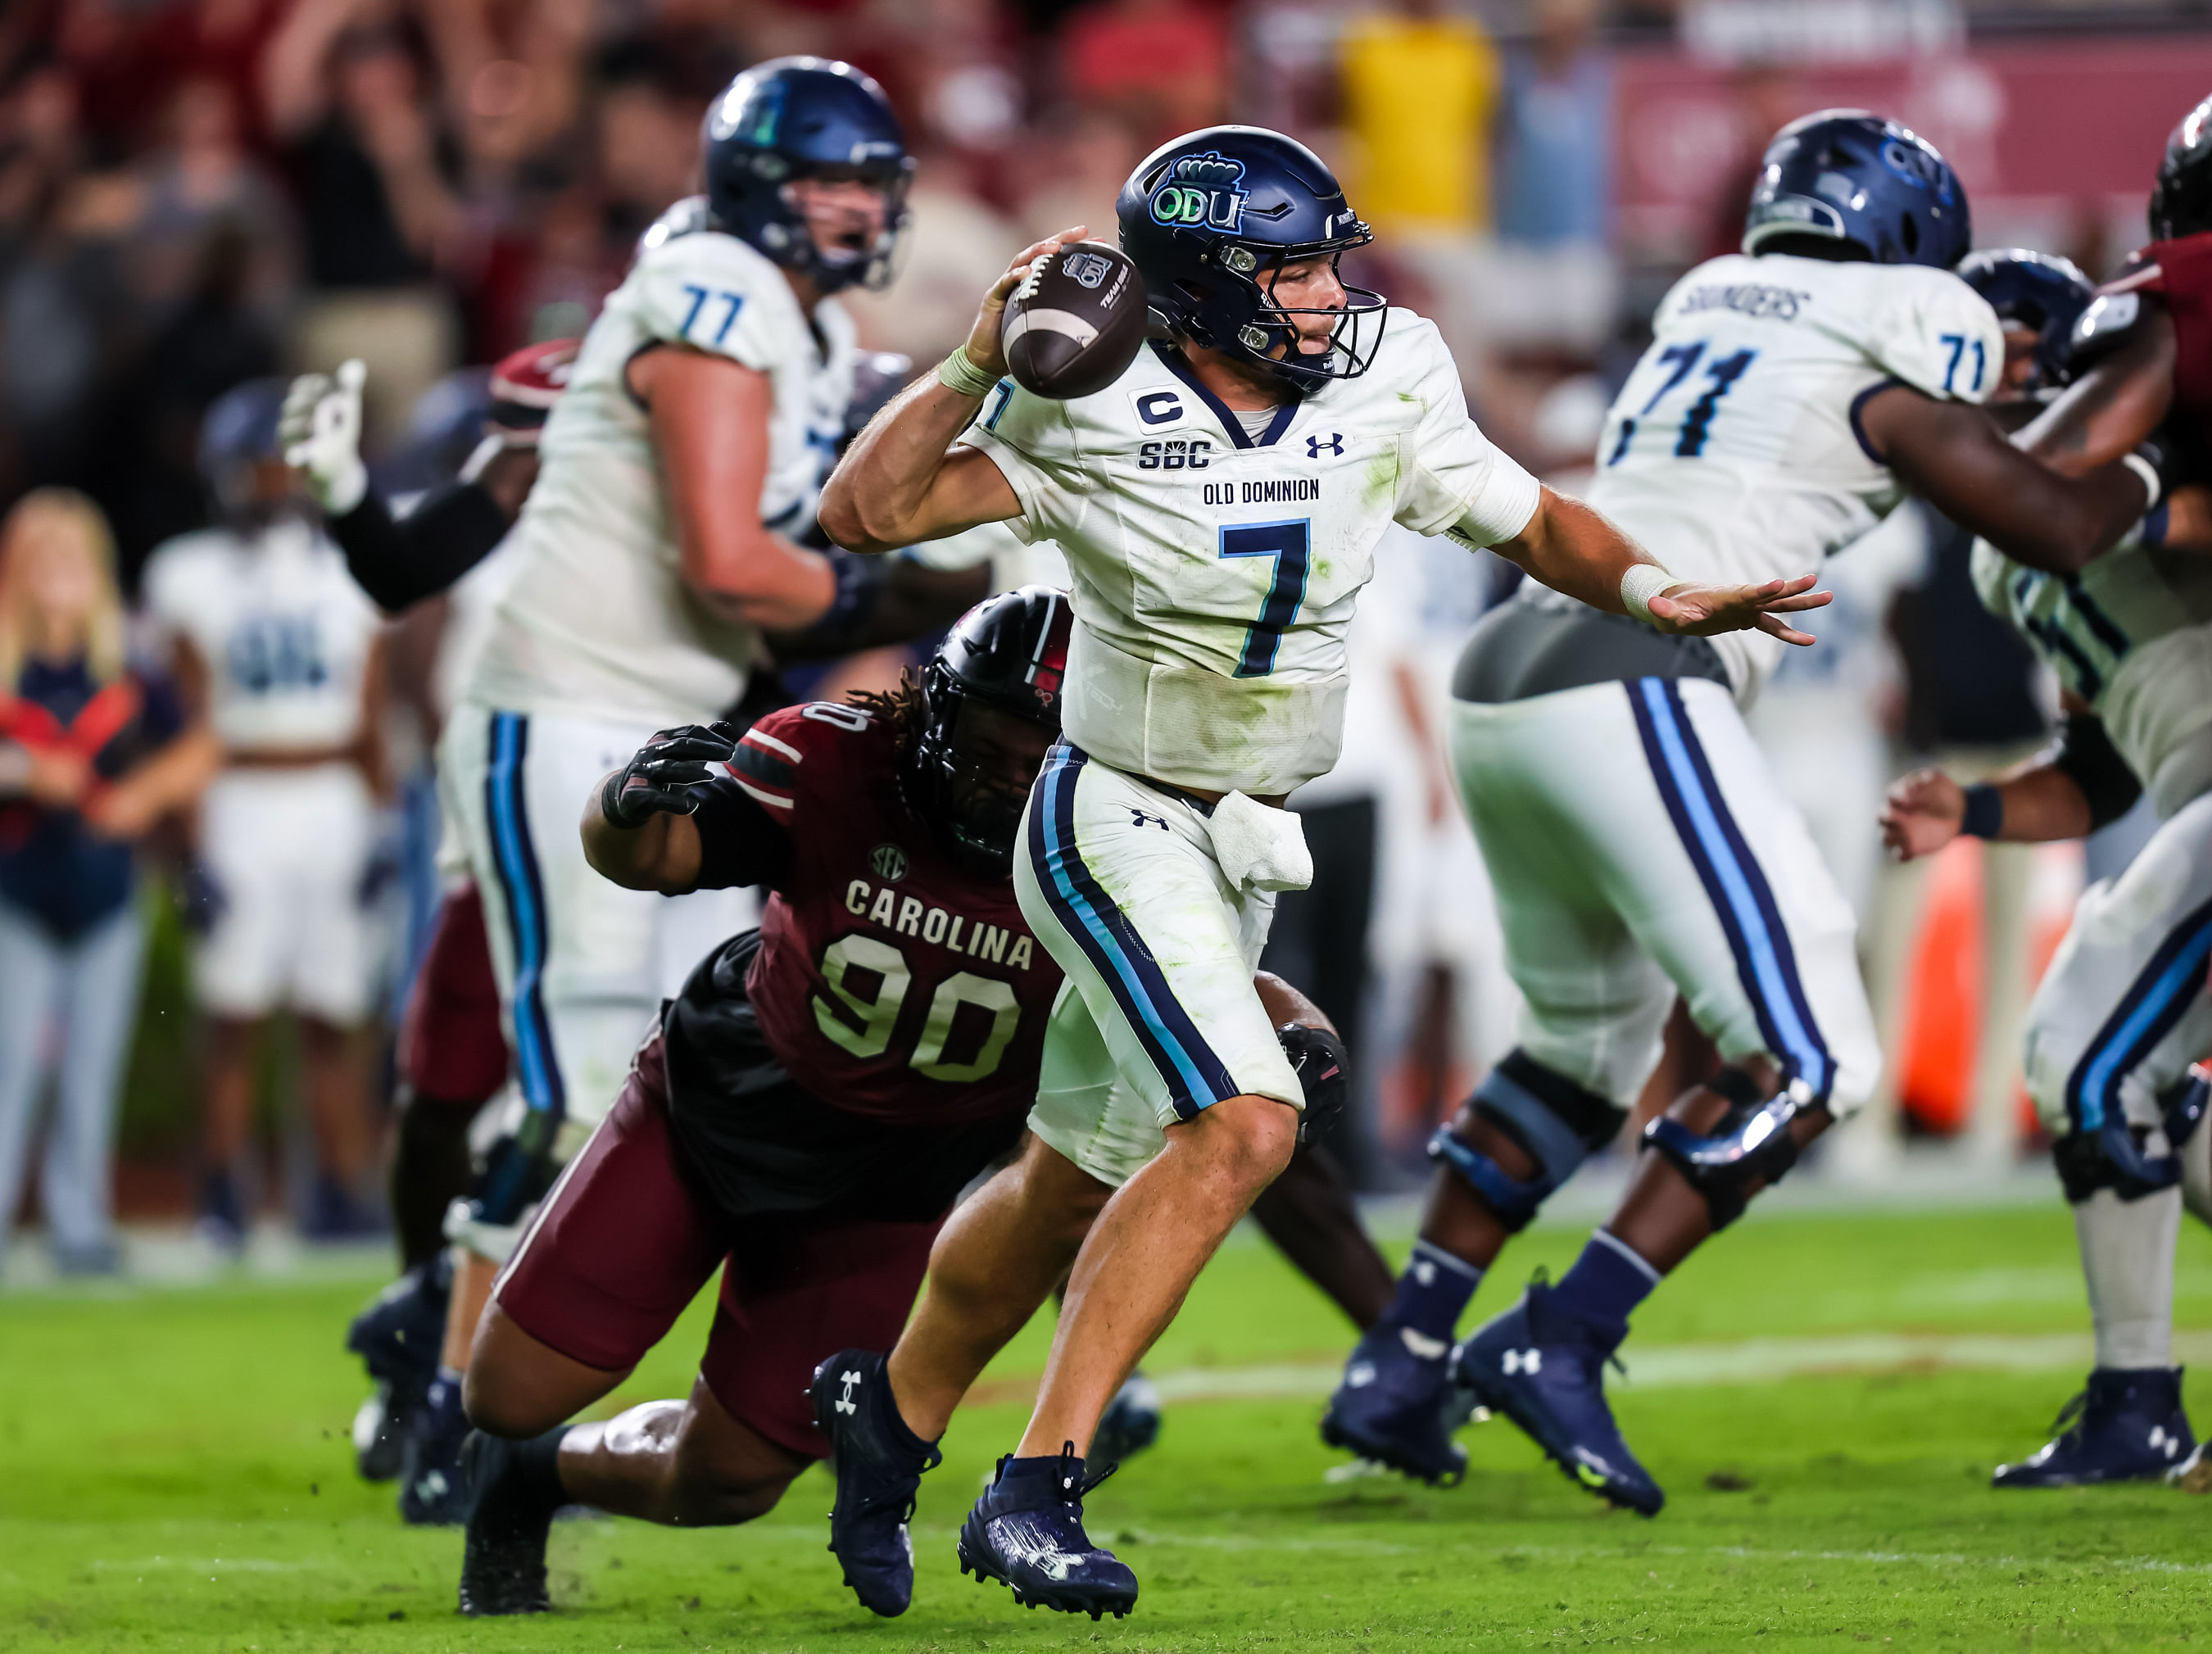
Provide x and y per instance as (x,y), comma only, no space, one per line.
(1076,322)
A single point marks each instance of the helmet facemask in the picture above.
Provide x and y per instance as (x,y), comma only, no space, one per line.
(795,240)
(1269,336)
(975,763)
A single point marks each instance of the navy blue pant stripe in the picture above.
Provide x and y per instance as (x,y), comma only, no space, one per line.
(1120,956)
(515,860)
(2156,999)
(1796,1056)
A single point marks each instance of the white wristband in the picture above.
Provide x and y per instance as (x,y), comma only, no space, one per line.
(1642,582)
(958,372)
(2149,472)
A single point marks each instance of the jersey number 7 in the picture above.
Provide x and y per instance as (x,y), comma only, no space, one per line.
(1288,544)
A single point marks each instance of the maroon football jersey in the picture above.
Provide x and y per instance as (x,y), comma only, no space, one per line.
(2181,272)
(890,982)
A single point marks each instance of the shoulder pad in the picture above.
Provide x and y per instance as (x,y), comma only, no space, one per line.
(2111,321)
(687,217)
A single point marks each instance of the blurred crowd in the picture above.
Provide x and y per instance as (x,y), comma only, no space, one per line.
(195,194)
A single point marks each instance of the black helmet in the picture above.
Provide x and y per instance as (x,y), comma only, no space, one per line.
(1009,652)
(793,118)
(1211,218)
(2181,200)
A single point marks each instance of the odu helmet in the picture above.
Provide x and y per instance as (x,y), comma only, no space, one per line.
(1845,175)
(793,118)
(1212,218)
(2036,291)
(1009,652)
(2181,200)
(238,435)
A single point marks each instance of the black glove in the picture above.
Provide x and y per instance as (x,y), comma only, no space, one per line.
(1324,1071)
(658,780)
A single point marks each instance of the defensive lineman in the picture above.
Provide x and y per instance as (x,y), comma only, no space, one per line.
(2122,1010)
(1790,396)
(1219,506)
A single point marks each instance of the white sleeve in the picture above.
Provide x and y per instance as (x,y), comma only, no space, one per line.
(1033,443)
(702,290)
(1452,478)
(1939,335)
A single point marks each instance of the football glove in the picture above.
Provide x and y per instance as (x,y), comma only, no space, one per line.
(318,429)
(1324,1071)
(658,779)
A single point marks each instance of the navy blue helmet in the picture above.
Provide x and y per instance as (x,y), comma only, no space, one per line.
(1845,175)
(1210,219)
(793,118)
(2181,200)
(2034,290)
(237,435)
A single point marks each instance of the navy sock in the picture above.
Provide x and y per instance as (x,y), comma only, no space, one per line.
(1607,1283)
(537,1464)
(888,1419)
(1433,1292)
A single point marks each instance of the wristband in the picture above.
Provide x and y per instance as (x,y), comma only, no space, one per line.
(2149,472)
(1642,582)
(958,372)
(1985,815)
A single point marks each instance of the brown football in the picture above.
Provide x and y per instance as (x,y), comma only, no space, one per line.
(1076,322)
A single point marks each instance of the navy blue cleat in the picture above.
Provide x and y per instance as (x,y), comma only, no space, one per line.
(1392,1406)
(2124,1426)
(398,1338)
(1131,1422)
(1544,1368)
(1027,1531)
(879,1465)
(434,1485)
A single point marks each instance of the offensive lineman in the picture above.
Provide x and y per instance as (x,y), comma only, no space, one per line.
(2122,1010)
(656,546)
(1218,506)
(1791,395)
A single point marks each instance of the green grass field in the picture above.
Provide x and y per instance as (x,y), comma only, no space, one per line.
(1822,1396)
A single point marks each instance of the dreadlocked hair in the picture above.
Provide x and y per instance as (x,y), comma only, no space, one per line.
(904,710)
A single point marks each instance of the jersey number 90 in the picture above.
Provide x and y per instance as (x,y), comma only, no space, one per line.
(877,1015)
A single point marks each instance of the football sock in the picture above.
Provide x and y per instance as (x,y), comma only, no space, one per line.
(1606,1282)
(1433,1292)
(2127,1255)
(1310,1214)
(538,1467)
(429,1172)
(882,1403)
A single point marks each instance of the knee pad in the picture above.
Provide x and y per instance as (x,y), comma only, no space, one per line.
(1750,1143)
(2114,1156)
(1555,1122)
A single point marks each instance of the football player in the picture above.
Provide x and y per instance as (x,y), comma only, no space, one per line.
(1791,396)
(2123,1009)
(1218,505)
(287,655)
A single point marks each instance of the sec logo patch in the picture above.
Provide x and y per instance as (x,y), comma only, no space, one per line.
(889,862)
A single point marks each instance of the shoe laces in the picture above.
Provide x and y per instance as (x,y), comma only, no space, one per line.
(2071,1416)
(1072,1491)
(876,1503)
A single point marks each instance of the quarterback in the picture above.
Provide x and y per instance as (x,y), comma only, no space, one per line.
(1790,398)
(1219,506)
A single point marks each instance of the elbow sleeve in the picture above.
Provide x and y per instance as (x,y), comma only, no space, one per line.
(399,563)
(2086,753)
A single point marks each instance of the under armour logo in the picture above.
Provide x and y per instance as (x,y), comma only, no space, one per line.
(1334,444)
(1530,1361)
(431,1487)
(1138,818)
(1424,1271)
(1421,1347)
(2170,1445)
(851,1381)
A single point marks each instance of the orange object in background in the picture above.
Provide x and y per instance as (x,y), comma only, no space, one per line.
(1940,1033)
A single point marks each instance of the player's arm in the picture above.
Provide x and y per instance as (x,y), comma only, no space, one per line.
(710,417)
(677,818)
(2069,790)
(902,481)
(1955,456)
(2123,351)
(1574,550)
(895,599)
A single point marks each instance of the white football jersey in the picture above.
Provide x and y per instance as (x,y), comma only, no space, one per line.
(1733,453)
(2131,635)
(598,621)
(1214,573)
(283,629)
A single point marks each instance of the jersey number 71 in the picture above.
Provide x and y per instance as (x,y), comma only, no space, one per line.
(1721,375)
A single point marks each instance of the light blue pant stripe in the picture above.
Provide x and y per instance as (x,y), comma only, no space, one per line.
(2185,974)
(522,902)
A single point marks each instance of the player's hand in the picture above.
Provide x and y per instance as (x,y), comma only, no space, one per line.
(319,430)
(1922,814)
(1703,610)
(984,348)
(658,779)
(1324,1071)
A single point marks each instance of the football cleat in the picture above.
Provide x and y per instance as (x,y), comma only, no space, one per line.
(1130,1424)
(398,1338)
(222,1218)
(1544,1369)
(433,1479)
(503,1559)
(1392,1406)
(1027,1531)
(877,1474)
(2124,1426)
